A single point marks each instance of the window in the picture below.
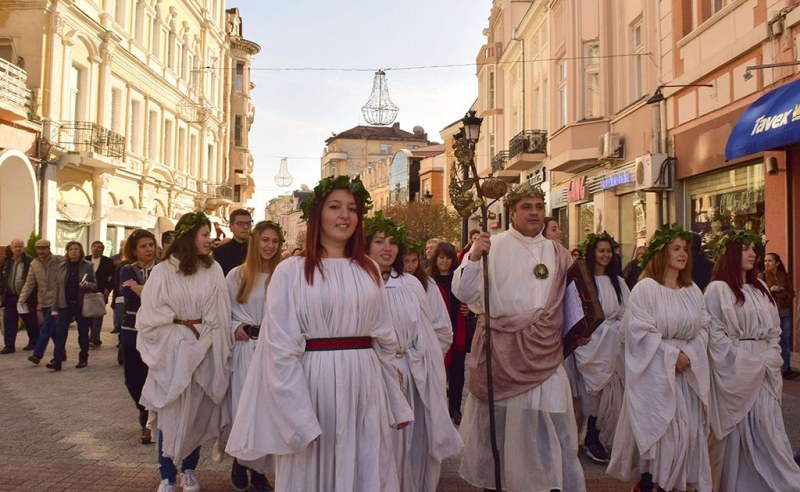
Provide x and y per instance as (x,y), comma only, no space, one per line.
(386,149)
(119,12)
(492,145)
(171,51)
(491,100)
(237,131)
(239,76)
(637,70)
(168,157)
(562,92)
(116,117)
(332,170)
(212,170)
(134,131)
(193,156)
(76,93)
(152,135)
(139,22)
(7,51)
(181,164)
(591,83)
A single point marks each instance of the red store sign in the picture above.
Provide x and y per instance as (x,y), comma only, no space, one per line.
(577,190)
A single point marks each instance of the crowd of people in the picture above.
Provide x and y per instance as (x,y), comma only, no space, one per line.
(341,365)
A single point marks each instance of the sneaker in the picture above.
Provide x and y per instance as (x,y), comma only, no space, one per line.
(596,452)
(165,486)
(189,481)
(260,482)
(238,477)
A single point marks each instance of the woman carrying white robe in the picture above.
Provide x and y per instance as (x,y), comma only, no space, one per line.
(323,392)
(420,447)
(601,362)
(437,309)
(185,339)
(247,289)
(749,449)
(663,430)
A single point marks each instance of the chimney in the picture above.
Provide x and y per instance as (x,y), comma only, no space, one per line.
(396,126)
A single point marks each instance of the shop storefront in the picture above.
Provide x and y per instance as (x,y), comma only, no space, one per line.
(629,205)
(584,217)
(558,205)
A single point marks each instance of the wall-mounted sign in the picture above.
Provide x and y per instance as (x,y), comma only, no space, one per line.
(538,177)
(616,179)
(577,190)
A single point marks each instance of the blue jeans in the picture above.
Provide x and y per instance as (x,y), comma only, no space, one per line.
(167,467)
(45,334)
(786,341)
(11,322)
(65,317)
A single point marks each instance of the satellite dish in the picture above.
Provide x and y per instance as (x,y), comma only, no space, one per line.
(283,178)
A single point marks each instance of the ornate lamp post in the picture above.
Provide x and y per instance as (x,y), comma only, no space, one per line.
(465,203)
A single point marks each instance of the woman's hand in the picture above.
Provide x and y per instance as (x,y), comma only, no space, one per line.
(464,309)
(683,363)
(775,288)
(130,283)
(402,425)
(240,334)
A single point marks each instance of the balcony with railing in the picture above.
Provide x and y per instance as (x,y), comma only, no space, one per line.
(15,97)
(96,145)
(527,149)
(219,194)
(500,167)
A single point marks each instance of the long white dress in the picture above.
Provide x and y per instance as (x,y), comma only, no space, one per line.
(440,318)
(750,451)
(326,414)
(188,377)
(601,362)
(663,429)
(536,430)
(420,447)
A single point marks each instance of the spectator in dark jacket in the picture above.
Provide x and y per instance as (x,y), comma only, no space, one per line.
(104,273)
(12,278)
(232,254)
(701,266)
(632,270)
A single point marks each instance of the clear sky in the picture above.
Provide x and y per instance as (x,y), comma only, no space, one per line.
(297,110)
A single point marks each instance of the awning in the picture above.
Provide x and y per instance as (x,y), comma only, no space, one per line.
(772,122)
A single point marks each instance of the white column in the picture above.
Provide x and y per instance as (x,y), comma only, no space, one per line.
(98,230)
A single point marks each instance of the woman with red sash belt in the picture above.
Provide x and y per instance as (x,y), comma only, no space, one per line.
(323,390)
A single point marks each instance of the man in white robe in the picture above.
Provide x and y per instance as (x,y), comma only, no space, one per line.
(536,431)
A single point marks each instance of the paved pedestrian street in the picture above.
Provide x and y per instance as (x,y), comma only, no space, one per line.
(77,430)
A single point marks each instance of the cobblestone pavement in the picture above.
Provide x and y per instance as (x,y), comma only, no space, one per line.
(77,430)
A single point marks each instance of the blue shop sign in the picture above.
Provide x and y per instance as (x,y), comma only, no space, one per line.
(616,179)
(772,122)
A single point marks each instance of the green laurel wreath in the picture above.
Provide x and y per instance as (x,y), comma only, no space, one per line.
(274,225)
(719,242)
(593,238)
(327,185)
(663,236)
(380,223)
(190,220)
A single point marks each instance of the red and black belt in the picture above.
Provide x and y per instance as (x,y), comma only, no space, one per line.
(342,343)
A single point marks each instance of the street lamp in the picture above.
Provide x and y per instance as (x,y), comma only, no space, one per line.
(658,95)
(472,127)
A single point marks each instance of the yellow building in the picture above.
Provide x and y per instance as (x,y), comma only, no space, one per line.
(133,98)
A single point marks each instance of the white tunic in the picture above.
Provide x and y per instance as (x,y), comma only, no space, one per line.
(420,447)
(188,377)
(535,429)
(663,428)
(601,362)
(440,318)
(328,414)
(749,447)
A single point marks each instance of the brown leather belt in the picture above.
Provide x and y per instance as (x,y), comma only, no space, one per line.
(343,343)
(189,323)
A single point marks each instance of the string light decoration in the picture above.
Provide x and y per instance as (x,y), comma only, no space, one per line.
(379,110)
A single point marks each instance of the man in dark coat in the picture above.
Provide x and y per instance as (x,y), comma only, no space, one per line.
(701,266)
(12,278)
(104,273)
(232,254)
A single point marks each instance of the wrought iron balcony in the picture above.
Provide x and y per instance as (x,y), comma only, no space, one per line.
(13,88)
(527,148)
(499,161)
(84,136)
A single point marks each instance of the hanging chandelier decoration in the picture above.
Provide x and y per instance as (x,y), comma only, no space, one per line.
(379,110)
(283,178)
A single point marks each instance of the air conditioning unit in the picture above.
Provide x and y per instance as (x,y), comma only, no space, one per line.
(652,172)
(611,146)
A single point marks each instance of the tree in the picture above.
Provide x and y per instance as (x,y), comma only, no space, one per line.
(425,221)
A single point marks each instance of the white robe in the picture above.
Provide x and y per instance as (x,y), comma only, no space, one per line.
(536,431)
(750,451)
(327,414)
(601,362)
(663,429)
(188,377)
(440,318)
(420,447)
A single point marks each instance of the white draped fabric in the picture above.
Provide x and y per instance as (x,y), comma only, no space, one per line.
(420,447)
(601,362)
(440,318)
(327,414)
(188,377)
(663,427)
(536,430)
(749,447)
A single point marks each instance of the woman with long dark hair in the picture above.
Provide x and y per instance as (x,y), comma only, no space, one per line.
(442,265)
(323,390)
(420,447)
(749,447)
(440,316)
(140,257)
(74,279)
(247,288)
(184,337)
(601,362)
(780,285)
(663,429)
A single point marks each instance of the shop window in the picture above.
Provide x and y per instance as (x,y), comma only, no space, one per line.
(591,82)
(585,220)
